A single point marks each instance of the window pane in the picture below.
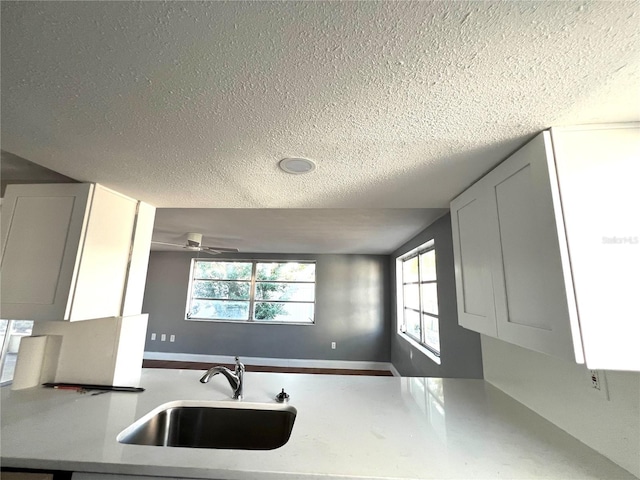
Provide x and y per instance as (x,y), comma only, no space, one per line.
(430,298)
(219,309)
(410,270)
(284,312)
(17,329)
(428,266)
(411,297)
(4,377)
(286,271)
(221,290)
(223,270)
(412,322)
(299,292)
(432,332)
(225,290)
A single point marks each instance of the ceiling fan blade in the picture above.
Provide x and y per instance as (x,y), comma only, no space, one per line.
(210,251)
(179,245)
(213,250)
(220,249)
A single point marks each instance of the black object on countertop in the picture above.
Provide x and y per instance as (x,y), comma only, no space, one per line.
(88,386)
(282,396)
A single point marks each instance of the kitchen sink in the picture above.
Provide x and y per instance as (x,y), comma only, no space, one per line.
(232,425)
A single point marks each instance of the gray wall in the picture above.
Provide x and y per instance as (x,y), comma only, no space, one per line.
(460,350)
(352,309)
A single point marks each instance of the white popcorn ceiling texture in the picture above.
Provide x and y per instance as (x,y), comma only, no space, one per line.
(400,104)
(294,230)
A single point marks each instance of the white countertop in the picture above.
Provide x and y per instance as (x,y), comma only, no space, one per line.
(347,426)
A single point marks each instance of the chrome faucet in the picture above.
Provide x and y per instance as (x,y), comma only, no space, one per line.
(235,378)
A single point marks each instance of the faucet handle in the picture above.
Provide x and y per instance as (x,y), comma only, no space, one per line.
(239,364)
(282,396)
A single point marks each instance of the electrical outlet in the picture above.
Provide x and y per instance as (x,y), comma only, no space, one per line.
(153,336)
(172,338)
(333,345)
(163,337)
(599,383)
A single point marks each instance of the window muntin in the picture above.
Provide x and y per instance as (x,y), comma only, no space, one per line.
(252,291)
(418,297)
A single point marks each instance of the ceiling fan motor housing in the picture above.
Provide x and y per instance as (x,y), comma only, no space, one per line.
(194,239)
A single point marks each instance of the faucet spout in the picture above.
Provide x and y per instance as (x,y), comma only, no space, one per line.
(235,378)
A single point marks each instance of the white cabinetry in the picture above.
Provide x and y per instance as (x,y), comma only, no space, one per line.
(534,304)
(599,177)
(66,251)
(470,218)
(551,240)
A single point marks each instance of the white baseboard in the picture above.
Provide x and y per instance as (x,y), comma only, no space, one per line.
(272,362)
(395,372)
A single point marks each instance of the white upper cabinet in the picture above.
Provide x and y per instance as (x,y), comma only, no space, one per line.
(599,177)
(469,213)
(557,227)
(534,303)
(66,251)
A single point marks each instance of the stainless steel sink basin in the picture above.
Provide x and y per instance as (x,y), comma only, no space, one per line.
(235,425)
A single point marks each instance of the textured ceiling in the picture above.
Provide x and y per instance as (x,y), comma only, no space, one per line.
(293,230)
(401,104)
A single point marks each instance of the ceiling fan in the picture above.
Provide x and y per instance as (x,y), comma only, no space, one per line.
(194,244)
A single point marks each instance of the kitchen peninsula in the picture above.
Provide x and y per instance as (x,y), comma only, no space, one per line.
(346,427)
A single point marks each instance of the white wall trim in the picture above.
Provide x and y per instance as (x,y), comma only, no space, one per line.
(395,372)
(272,362)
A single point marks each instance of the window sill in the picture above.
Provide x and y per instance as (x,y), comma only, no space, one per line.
(421,348)
(247,322)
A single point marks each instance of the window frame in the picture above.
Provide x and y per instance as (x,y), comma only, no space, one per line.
(252,291)
(420,343)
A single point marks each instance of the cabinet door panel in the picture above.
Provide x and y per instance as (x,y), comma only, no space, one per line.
(137,276)
(530,292)
(524,258)
(34,252)
(103,267)
(42,225)
(474,291)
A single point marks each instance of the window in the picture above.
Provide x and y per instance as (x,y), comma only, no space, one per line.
(11,332)
(252,291)
(418,299)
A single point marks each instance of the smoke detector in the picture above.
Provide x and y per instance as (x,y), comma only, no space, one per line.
(297,166)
